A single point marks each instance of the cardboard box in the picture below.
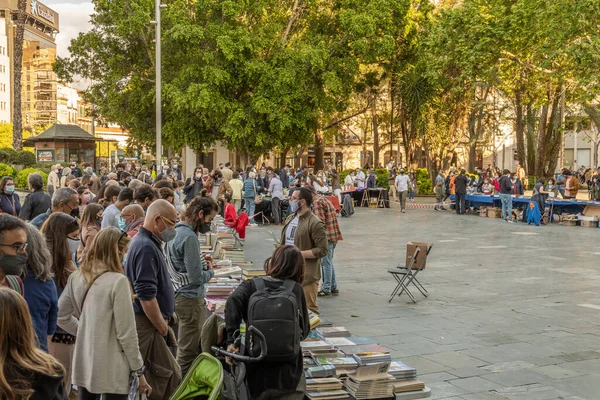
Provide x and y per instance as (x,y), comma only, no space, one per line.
(421,261)
(589,224)
(591,211)
(494,213)
(570,222)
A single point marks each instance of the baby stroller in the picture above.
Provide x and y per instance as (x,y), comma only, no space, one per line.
(210,378)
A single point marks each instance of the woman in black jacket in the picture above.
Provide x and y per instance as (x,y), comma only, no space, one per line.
(26,372)
(9,200)
(272,379)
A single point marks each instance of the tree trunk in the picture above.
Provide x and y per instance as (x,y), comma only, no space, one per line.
(520,132)
(17,66)
(283,156)
(375,135)
(596,144)
(319,151)
(531,142)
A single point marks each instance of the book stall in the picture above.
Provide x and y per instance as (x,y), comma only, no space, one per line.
(229,263)
(341,366)
(337,365)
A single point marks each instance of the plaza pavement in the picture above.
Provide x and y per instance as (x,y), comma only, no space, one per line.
(513,310)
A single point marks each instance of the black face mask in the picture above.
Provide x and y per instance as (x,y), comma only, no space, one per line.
(204,227)
(75,212)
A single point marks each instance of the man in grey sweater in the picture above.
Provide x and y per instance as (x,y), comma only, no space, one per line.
(190,272)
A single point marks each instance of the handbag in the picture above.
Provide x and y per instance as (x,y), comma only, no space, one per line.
(257,197)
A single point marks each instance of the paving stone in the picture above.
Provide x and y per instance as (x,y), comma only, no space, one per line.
(455,360)
(520,317)
(476,384)
(436,377)
(556,371)
(517,378)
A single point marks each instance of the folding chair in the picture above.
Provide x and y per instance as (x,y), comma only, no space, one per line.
(400,275)
(408,274)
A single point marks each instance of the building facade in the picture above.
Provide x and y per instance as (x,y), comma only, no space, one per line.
(38,80)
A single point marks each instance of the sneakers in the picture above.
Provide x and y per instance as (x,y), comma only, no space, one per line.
(252,224)
(323,294)
(335,292)
(403,211)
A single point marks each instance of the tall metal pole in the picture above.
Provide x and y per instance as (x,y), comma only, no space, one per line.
(157,7)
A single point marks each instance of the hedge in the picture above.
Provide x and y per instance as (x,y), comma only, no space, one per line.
(11,156)
(7,170)
(21,181)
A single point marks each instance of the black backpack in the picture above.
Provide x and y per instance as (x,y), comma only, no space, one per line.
(275,313)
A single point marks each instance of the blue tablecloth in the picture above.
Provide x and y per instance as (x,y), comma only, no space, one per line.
(568,206)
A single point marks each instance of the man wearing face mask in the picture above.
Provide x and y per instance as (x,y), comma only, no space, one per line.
(193,186)
(65,200)
(132,219)
(154,303)
(307,232)
(112,213)
(190,272)
(13,256)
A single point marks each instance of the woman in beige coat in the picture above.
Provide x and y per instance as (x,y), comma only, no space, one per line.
(96,306)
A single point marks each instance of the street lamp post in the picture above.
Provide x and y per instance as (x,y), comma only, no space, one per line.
(157,10)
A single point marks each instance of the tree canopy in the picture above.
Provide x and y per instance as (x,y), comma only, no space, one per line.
(272,74)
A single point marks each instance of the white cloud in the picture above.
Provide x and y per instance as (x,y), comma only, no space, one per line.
(74,17)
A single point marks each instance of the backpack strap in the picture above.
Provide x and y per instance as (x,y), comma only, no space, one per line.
(259,283)
(13,283)
(289,284)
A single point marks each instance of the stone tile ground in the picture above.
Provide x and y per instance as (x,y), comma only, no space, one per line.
(513,311)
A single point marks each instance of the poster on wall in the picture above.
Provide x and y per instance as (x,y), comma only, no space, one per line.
(45,155)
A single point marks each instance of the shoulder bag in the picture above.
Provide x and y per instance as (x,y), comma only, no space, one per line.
(257,197)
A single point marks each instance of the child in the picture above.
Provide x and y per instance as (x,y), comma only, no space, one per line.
(439,196)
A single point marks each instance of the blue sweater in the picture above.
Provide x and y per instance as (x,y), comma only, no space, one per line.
(186,258)
(42,300)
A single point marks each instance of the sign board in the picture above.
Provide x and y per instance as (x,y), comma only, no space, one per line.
(43,13)
(45,155)
(130,159)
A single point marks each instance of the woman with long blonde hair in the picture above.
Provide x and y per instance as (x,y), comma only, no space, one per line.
(96,306)
(26,372)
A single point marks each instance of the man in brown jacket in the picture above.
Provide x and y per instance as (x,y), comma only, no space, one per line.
(307,232)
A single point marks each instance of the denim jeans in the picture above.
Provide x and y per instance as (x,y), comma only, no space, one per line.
(506,200)
(329,282)
(250,208)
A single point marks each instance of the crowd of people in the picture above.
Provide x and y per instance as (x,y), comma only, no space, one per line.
(505,184)
(98,274)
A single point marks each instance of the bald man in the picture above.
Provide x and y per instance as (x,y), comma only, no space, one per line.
(154,304)
(133,218)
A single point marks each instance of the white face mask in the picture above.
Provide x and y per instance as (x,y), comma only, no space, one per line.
(73,244)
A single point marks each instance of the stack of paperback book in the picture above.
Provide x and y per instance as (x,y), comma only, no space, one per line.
(325,389)
(378,386)
(333,331)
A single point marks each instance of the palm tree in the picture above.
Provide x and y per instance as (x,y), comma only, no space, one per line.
(17,66)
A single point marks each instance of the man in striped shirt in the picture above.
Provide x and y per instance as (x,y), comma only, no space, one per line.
(324,209)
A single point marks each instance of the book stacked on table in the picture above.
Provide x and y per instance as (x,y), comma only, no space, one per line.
(338,362)
(315,320)
(410,385)
(333,331)
(368,358)
(216,304)
(312,345)
(325,389)
(234,255)
(320,371)
(401,371)
(231,272)
(370,387)
(250,271)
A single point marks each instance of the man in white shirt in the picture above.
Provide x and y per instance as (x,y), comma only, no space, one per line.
(402,188)
(112,214)
(361,179)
